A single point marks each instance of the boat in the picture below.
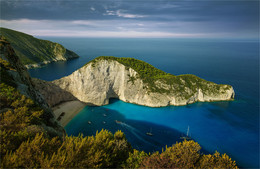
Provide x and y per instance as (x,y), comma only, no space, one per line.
(118,122)
(104,122)
(104,115)
(150,133)
(89,122)
(187,137)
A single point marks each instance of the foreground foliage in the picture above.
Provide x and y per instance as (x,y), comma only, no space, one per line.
(25,144)
(106,150)
(102,151)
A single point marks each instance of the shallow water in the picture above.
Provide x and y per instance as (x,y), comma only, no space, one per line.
(229,127)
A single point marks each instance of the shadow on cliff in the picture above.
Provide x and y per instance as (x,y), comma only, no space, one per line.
(93,119)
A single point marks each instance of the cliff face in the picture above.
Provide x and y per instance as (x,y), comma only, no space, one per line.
(35,52)
(52,93)
(13,73)
(103,79)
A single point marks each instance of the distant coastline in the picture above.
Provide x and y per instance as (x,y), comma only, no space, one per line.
(34,52)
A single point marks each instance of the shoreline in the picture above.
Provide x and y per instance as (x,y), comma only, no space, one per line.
(69,110)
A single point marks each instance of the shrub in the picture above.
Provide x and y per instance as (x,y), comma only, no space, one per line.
(135,159)
(216,161)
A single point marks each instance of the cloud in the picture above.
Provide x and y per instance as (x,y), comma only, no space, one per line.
(120,28)
(108,12)
(222,18)
(110,34)
(71,29)
(123,14)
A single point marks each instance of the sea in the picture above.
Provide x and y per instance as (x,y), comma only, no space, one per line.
(230,127)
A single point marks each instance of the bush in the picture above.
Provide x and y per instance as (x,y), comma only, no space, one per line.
(105,150)
(135,159)
(31,153)
(216,161)
(181,155)
(184,154)
(157,160)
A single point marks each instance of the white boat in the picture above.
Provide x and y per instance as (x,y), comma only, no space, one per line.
(118,122)
(150,133)
(187,137)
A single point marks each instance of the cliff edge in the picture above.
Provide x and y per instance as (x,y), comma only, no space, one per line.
(135,81)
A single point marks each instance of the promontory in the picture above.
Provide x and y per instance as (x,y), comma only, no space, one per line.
(34,52)
(138,82)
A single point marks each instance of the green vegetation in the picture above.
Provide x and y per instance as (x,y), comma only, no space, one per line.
(185,85)
(28,141)
(25,144)
(186,155)
(5,76)
(32,50)
(18,114)
(105,150)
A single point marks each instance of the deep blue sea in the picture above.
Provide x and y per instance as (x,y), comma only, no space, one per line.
(230,127)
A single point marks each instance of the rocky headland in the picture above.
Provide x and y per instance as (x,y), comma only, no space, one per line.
(34,52)
(137,82)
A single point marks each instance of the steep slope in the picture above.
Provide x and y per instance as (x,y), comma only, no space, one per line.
(35,52)
(14,77)
(135,81)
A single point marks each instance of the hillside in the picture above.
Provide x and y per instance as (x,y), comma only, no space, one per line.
(32,138)
(135,81)
(35,52)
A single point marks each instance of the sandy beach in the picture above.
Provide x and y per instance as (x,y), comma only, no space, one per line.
(70,109)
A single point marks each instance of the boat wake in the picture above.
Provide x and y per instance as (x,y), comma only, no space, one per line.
(135,132)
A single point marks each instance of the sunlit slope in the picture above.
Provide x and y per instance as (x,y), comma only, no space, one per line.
(34,52)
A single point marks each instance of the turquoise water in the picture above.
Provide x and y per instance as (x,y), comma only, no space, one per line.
(229,127)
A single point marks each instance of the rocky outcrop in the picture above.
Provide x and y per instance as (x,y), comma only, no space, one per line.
(19,75)
(102,79)
(59,54)
(52,93)
(15,74)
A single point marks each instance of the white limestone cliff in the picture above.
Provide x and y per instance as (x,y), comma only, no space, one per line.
(97,82)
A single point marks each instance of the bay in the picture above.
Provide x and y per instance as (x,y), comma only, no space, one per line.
(229,127)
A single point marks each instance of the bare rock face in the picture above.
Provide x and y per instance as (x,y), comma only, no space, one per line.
(19,74)
(52,93)
(103,79)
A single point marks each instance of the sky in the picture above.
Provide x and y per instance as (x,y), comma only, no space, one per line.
(133,18)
